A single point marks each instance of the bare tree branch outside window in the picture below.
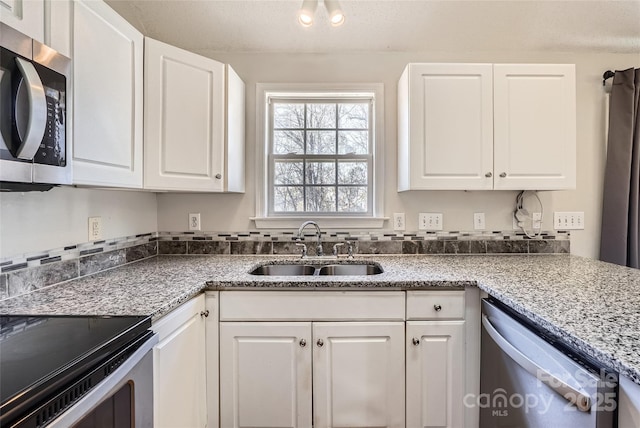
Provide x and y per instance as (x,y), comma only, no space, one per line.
(321,158)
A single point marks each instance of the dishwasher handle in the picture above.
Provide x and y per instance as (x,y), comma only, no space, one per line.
(575,397)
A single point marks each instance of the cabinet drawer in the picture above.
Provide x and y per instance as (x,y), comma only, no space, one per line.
(435,305)
(311,305)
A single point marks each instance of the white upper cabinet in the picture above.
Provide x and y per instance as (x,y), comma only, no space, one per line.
(194,122)
(445,125)
(534,126)
(484,126)
(108,60)
(47,21)
(26,16)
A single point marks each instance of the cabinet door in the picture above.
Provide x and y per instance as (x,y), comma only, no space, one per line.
(179,368)
(26,16)
(535,126)
(265,374)
(358,374)
(184,119)
(435,370)
(107,119)
(628,403)
(445,127)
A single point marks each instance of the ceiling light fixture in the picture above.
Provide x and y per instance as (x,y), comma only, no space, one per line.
(308,9)
(305,14)
(336,16)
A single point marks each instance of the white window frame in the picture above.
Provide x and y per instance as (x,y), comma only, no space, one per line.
(265,220)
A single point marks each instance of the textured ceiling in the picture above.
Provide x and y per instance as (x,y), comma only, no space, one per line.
(390,25)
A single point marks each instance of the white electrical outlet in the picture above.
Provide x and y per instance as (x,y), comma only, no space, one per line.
(398,221)
(537,221)
(568,220)
(194,221)
(430,221)
(95,228)
(478,221)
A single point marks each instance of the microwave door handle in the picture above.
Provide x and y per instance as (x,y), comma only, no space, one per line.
(31,105)
(579,399)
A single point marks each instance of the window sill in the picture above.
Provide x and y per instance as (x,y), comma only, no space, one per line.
(331,223)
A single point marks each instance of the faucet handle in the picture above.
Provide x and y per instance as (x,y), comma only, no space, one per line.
(335,248)
(350,249)
(304,248)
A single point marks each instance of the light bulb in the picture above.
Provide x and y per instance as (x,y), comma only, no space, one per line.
(336,16)
(305,14)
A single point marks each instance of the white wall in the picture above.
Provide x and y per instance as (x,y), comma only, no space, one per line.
(232,212)
(36,221)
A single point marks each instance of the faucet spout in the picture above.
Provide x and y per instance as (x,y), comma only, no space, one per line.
(319,251)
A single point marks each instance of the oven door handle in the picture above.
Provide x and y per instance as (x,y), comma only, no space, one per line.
(108,386)
(581,400)
(30,111)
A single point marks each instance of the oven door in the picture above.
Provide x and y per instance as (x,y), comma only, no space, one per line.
(122,400)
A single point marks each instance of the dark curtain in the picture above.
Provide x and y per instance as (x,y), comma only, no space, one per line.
(620,239)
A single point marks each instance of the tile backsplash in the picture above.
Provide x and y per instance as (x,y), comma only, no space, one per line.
(28,272)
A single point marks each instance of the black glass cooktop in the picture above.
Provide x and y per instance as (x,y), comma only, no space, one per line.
(40,354)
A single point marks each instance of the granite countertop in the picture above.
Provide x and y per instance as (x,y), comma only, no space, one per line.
(592,305)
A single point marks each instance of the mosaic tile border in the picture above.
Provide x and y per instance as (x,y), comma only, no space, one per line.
(275,243)
(30,272)
(25,273)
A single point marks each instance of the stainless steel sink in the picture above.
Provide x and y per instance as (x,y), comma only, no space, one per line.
(284,270)
(329,270)
(350,270)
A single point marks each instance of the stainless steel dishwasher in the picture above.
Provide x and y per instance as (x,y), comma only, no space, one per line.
(530,380)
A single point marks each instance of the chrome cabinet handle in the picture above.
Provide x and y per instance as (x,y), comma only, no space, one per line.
(204,313)
(218,176)
(503,174)
(488,175)
(415,341)
(303,343)
(320,343)
(437,307)
(31,119)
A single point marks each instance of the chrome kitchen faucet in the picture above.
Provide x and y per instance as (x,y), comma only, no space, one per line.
(319,251)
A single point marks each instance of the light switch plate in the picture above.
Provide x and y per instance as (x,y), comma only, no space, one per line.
(430,221)
(568,220)
(479,221)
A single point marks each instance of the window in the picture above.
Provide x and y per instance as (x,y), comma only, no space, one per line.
(320,156)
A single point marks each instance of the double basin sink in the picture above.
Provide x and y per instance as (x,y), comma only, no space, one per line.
(310,270)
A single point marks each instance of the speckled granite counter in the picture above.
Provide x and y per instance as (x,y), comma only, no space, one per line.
(594,306)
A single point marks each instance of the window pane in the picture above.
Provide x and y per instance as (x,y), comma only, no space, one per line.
(321,142)
(288,172)
(321,173)
(288,142)
(288,198)
(353,142)
(288,115)
(321,115)
(353,116)
(352,173)
(352,199)
(321,199)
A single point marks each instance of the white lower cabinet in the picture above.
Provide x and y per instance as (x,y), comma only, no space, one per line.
(267,370)
(179,367)
(337,361)
(435,374)
(358,373)
(342,359)
(265,374)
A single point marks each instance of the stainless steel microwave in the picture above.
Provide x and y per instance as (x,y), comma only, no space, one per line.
(34,147)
